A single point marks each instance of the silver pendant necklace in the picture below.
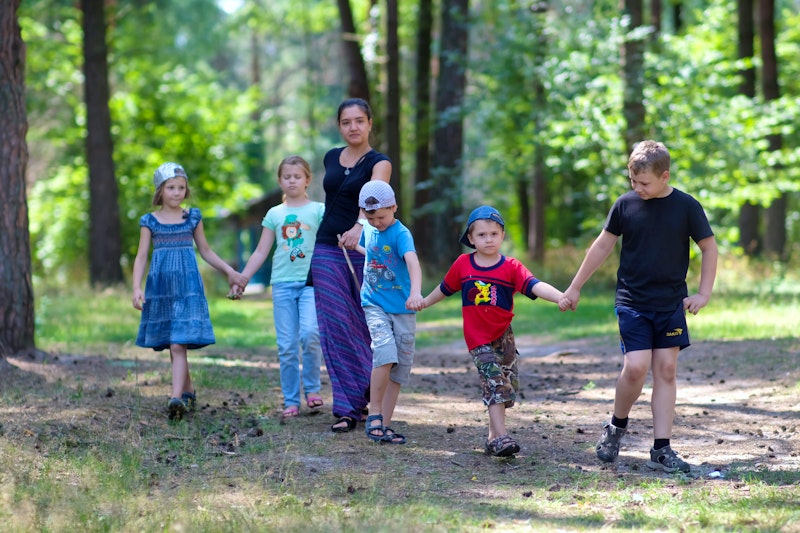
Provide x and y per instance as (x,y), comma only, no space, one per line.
(360,159)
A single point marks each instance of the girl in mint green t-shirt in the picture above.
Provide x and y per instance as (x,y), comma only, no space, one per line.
(292,227)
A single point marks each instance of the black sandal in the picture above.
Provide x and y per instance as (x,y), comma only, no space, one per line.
(392,437)
(350,421)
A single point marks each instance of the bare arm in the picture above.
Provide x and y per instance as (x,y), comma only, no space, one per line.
(434,297)
(414,301)
(597,253)
(708,274)
(547,292)
(208,255)
(260,254)
(138,267)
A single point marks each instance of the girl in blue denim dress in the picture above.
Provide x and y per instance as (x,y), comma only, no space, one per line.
(173,305)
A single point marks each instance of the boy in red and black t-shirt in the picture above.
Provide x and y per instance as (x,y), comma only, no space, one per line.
(488,280)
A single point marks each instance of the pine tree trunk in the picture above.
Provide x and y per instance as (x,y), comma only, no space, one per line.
(105,234)
(633,76)
(357,85)
(449,133)
(392,127)
(749,212)
(422,132)
(16,289)
(775,215)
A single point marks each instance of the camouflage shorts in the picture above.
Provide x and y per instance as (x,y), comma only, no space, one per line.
(497,367)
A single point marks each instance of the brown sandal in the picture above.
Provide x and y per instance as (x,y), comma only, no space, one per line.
(502,446)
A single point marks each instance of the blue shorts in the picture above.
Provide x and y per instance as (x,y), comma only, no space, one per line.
(647,330)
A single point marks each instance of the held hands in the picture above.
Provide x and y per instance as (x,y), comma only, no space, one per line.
(415,303)
(695,302)
(235,293)
(569,299)
(237,283)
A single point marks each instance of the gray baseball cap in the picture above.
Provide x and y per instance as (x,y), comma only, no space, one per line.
(167,171)
(376,194)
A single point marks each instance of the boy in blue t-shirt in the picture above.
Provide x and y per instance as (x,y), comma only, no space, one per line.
(392,288)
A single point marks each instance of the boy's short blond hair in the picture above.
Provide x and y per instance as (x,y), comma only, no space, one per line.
(649,155)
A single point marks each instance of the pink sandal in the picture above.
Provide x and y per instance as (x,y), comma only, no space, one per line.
(314,401)
(290,412)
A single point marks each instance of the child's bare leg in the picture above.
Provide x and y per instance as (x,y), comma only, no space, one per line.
(662,402)
(181,382)
(497,420)
(389,401)
(630,381)
(378,383)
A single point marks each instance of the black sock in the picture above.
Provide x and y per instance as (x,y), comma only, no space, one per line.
(660,443)
(621,423)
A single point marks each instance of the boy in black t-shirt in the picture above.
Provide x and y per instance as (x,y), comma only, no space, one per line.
(655,222)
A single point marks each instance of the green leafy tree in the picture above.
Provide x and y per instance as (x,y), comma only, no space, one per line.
(168,104)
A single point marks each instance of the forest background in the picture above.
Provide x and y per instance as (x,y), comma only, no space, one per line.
(530,106)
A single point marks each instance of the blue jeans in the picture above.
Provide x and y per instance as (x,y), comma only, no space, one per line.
(295,318)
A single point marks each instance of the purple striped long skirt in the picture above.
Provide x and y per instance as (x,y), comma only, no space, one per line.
(343,331)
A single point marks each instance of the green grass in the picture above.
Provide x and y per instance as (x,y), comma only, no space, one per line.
(64,321)
(73,459)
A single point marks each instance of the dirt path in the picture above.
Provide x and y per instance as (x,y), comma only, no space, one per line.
(738,403)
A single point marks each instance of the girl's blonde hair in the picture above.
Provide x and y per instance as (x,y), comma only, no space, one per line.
(295,160)
(157,200)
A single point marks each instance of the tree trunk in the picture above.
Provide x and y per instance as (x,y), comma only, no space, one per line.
(105,235)
(749,212)
(255,150)
(534,218)
(749,228)
(633,75)
(422,131)
(448,136)
(677,16)
(538,230)
(357,85)
(655,15)
(392,128)
(16,288)
(775,222)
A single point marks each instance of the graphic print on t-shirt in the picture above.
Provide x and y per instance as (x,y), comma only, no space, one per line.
(292,231)
(379,270)
(483,292)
